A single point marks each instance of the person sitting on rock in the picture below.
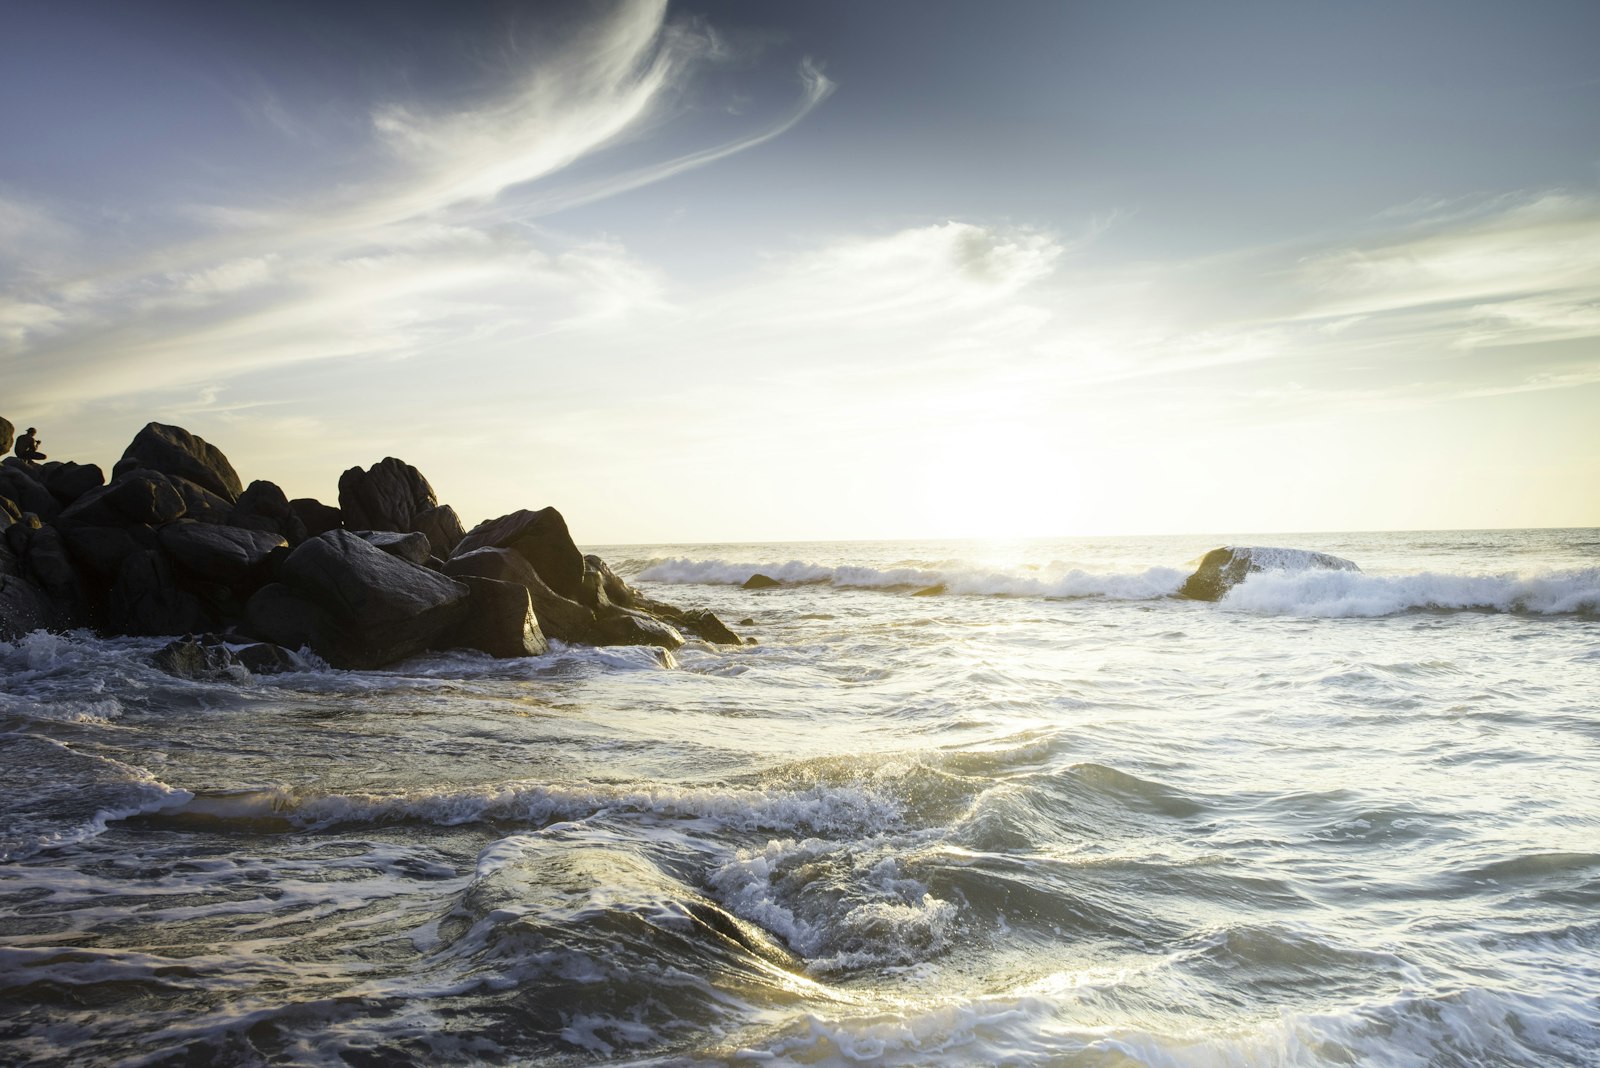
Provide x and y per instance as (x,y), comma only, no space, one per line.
(28,447)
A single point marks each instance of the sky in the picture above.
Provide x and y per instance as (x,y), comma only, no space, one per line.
(724,271)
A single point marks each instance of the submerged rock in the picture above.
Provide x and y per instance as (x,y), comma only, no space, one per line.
(1222,569)
(936,590)
(204,659)
(760,582)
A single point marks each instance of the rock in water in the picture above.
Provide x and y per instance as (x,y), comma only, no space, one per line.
(541,538)
(204,659)
(499,621)
(1222,569)
(172,450)
(370,608)
(558,617)
(760,582)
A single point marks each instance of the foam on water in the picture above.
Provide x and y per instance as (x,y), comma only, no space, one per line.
(1349,594)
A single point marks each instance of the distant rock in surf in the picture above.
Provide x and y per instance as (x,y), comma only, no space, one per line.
(1222,569)
(760,582)
(931,591)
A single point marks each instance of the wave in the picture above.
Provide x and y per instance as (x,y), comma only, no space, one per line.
(1153,583)
(1335,594)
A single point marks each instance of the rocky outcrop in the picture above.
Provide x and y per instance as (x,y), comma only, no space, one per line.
(1220,570)
(174,545)
(172,450)
(760,582)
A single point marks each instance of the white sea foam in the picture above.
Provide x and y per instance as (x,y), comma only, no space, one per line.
(1351,593)
(1152,583)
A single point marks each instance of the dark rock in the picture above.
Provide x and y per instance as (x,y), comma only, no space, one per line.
(68,481)
(559,618)
(541,538)
(318,518)
(24,608)
(19,533)
(412,547)
(133,496)
(8,435)
(199,503)
(101,550)
(146,599)
(611,587)
(29,494)
(48,564)
(278,614)
(499,621)
(705,623)
(172,450)
(1222,569)
(389,495)
(204,659)
(935,590)
(443,528)
(373,608)
(624,626)
(233,556)
(263,506)
(760,582)
(747,621)
(264,658)
(9,512)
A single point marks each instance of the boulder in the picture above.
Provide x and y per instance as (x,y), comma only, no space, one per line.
(389,495)
(8,435)
(558,617)
(9,512)
(24,608)
(48,564)
(199,503)
(499,621)
(146,599)
(101,550)
(413,547)
(281,616)
(318,518)
(264,658)
(540,538)
(172,450)
(371,608)
(610,586)
(233,556)
(19,485)
(443,528)
(263,506)
(624,626)
(705,623)
(1222,569)
(68,481)
(134,496)
(760,582)
(205,659)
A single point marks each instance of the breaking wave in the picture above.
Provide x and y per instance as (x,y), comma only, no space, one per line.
(1352,594)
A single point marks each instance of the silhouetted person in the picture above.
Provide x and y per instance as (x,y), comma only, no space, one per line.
(28,446)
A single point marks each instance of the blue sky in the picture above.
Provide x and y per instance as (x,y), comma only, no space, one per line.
(825,270)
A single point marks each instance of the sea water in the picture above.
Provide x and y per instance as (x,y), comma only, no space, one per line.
(1049,815)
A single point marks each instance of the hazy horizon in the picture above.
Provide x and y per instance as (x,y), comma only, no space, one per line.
(715,272)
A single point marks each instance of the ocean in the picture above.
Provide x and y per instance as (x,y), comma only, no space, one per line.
(1051,815)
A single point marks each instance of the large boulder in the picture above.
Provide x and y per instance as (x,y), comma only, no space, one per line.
(101,550)
(172,450)
(1220,570)
(499,621)
(317,517)
(8,435)
(264,506)
(20,483)
(624,626)
(412,546)
(49,566)
(68,481)
(541,538)
(199,503)
(389,495)
(24,608)
(443,528)
(371,608)
(559,617)
(236,557)
(146,599)
(139,495)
